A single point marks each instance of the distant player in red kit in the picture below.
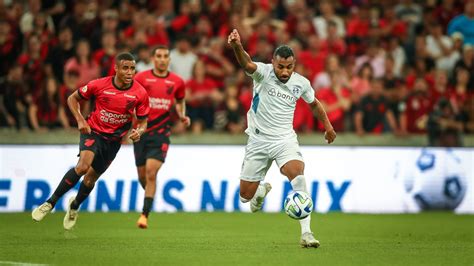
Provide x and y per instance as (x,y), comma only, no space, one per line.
(163,88)
(117,99)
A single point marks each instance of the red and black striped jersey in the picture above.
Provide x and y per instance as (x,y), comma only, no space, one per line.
(162,92)
(114,107)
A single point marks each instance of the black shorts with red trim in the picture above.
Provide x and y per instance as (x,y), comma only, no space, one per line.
(151,146)
(104,150)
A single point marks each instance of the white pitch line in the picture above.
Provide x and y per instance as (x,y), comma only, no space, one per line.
(2,262)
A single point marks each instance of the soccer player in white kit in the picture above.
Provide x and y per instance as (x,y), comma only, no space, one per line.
(270,127)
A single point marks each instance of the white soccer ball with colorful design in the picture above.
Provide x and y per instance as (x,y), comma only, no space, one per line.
(298,205)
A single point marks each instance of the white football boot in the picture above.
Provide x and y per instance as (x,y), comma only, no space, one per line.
(41,211)
(308,241)
(256,203)
(71,216)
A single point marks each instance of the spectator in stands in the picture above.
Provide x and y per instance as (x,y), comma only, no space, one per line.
(467,62)
(109,19)
(360,84)
(397,54)
(375,56)
(464,23)
(14,99)
(10,46)
(313,57)
(144,59)
(394,89)
(373,112)
(327,14)
(83,63)
(446,11)
(202,97)
(46,111)
(33,64)
(460,94)
(230,113)
(104,57)
(444,126)
(78,22)
(218,67)
(183,58)
(336,100)
(414,110)
(70,85)
(59,54)
(332,69)
(411,13)
(27,20)
(333,44)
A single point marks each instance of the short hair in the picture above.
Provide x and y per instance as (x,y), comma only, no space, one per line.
(159,47)
(283,51)
(124,56)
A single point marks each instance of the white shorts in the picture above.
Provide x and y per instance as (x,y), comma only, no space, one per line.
(259,156)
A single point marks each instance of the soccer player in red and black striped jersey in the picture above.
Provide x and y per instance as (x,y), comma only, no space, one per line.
(163,88)
(117,99)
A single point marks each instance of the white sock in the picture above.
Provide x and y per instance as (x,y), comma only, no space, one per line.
(299,184)
(259,193)
(243,200)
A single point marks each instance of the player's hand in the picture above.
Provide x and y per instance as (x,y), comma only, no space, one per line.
(84,127)
(135,135)
(186,121)
(330,135)
(234,38)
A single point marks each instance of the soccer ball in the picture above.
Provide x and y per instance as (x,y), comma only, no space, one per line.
(298,205)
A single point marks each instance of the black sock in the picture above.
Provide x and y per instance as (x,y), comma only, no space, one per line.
(147,205)
(69,180)
(82,195)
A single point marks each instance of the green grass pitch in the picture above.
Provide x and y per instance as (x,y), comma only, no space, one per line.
(238,239)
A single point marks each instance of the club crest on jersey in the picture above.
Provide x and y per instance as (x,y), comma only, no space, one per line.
(297,90)
(169,89)
(130,104)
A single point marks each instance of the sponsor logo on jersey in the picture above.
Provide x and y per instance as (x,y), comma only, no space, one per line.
(150,80)
(112,118)
(130,96)
(109,93)
(274,93)
(160,103)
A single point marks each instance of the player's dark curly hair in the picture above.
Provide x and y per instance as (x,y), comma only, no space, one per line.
(283,51)
(124,56)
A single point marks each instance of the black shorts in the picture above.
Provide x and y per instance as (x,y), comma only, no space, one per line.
(104,150)
(151,146)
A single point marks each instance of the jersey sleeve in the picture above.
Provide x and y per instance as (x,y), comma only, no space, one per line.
(143,107)
(88,90)
(308,92)
(180,91)
(261,72)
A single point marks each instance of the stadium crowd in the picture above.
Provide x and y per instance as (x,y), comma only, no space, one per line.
(405,67)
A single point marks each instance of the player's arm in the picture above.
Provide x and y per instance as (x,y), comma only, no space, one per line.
(318,109)
(74,103)
(240,54)
(180,108)
(139,130)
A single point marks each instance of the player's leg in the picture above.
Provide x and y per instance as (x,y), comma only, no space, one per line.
(154,152)
(290,160)
(68,181)
(152,168)
(254,168)
(87,185)
(140,160)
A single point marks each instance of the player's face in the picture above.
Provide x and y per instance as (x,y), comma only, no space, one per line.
(283,67)
(161,59)
(125,71)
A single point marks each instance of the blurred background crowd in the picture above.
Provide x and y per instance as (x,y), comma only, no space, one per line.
(403,67)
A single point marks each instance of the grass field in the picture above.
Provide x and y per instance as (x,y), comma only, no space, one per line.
(238,238)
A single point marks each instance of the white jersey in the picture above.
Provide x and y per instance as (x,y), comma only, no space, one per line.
(273,106)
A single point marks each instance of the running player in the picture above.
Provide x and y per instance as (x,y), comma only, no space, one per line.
(270,127)
(163,87)
(117,99)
